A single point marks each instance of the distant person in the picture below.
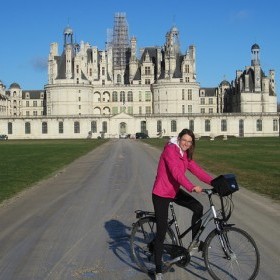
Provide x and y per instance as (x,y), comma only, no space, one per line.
(175,160)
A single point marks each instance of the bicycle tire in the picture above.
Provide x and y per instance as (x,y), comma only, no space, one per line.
(141,243)
(244,260)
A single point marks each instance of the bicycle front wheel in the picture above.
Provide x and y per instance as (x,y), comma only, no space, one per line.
(142,243)
(231,254)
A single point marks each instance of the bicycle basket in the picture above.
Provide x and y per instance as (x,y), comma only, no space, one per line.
(225,184)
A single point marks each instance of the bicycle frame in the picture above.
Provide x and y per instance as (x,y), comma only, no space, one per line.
(209,215)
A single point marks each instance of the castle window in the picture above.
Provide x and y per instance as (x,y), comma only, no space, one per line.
(189,94)
(173,126)
(207,125)
(202,101)
(183,94)
(104,127)
(103,71)
(129,96)
(147,81)
(27,128)
(93,126)
(130,110)
(44,127)
(76,127)
(275,125)
(191,125)
(147,70)
(143,127)
(187,68)
(147,96)
(60,127)
(10,128)
(122,97)
(183,109)
(190,108)
(115,96)
(223,125)
(159,126)
(119,79)
(259,125)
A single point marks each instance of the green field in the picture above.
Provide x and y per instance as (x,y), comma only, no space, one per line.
(254,161)
(23,163)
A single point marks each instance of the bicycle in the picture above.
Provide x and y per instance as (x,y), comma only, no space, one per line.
(229,252)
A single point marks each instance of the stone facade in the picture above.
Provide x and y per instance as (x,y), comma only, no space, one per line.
(107,93)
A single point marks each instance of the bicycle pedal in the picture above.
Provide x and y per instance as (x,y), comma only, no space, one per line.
(171,262)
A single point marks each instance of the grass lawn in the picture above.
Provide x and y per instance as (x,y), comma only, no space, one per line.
(254,161)
(25,162)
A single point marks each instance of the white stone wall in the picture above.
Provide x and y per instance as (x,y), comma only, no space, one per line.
(133,124)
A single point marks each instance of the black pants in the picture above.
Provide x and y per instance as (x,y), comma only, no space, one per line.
(161,206)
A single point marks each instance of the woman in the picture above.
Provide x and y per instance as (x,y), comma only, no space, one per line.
(175,160)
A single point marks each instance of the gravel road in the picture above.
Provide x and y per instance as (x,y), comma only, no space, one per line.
(76,225)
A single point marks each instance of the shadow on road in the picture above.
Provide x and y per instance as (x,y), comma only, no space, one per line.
(119,233)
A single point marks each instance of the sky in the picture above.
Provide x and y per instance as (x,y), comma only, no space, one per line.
(223,32)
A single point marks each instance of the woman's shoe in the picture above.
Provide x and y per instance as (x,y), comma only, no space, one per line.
(159,276)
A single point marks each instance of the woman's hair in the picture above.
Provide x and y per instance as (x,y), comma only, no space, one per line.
(189,132)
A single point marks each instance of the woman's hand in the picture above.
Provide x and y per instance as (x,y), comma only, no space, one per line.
(197,189)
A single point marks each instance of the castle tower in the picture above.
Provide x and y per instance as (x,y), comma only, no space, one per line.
(120,45)
(68,49)
(255,50)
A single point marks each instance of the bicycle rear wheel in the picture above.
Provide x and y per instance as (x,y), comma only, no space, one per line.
(237,259)
(142,243)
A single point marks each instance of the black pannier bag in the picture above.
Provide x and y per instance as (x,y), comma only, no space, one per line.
(225,184)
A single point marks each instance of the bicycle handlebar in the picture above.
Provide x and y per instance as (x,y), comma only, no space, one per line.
(208,191)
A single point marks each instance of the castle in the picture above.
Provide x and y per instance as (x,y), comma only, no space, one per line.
(109,93)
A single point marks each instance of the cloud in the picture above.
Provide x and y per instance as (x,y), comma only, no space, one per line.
(40,63)
(241,15)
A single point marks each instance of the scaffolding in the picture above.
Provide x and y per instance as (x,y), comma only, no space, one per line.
(120,41)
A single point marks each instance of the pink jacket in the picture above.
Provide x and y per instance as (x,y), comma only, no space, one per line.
(171,172)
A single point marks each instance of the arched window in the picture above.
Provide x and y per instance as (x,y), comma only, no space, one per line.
(115,96)
(44,127)
(143,127)
(122,97)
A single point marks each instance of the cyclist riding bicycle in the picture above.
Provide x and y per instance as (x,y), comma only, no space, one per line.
(175,160)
